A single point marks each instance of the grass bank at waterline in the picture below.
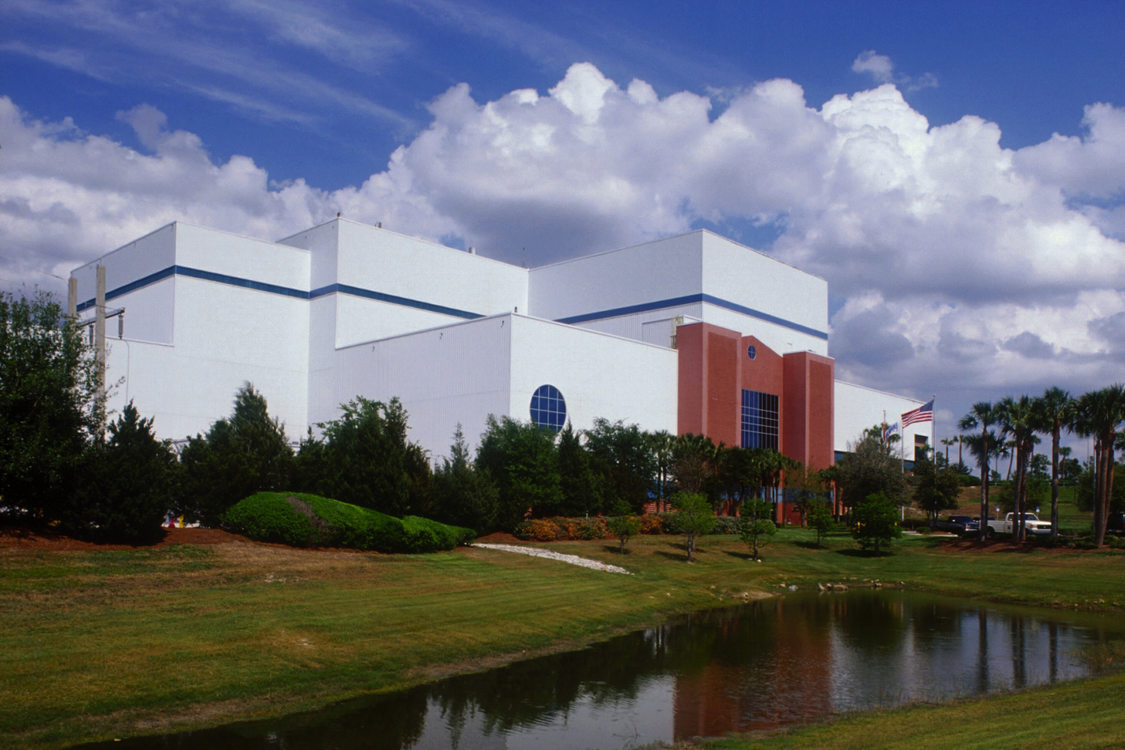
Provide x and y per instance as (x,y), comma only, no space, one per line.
(102,643)
(1079,714)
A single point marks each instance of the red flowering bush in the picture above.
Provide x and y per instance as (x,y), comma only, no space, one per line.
(538,530)
(560,529)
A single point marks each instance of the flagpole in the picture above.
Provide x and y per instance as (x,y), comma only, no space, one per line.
(933,430)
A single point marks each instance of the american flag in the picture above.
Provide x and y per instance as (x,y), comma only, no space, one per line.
(924,413)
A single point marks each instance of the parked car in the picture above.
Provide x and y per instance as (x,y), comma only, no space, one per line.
(962,525)
(1115,524)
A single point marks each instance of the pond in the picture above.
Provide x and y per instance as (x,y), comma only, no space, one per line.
(759,666)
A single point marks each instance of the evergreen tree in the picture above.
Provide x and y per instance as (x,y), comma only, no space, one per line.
(870,469)
(755,524)
(819,517)
(583,488)
(128,483)
(239,456)
(626,456)
(464,496)
(695,517)
(368,460)
(49,409)
(935,489)
(875,522)
(522,461)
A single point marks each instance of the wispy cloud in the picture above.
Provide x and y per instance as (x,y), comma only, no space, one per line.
(882,70)
(230,54)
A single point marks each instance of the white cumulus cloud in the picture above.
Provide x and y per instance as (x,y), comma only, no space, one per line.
(963,266)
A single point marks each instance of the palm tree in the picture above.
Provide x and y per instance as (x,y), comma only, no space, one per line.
(1018,420)
(947,442)
(960,445)
(661,444)
(1055,411)
(1009,451)
(694,460)
(1098,414)
(982,416)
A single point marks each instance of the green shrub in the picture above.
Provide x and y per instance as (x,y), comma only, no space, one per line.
(304,520)
(267,517)
(624,527)
(726,525)
(424,535)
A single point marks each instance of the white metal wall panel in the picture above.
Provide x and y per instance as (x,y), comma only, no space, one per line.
(639,275)
(229,335)
(184,394)
(362,320)
(858,408)
(633,326)
(390,263)
(140,258)
(444,377)
(782,339)
(242,257)
(598,375)
(321,242)
(148,312)
(746,277)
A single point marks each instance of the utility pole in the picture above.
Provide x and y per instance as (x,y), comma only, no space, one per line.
(99,345)
(72,298)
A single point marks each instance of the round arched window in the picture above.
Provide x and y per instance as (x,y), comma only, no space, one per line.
(548,408)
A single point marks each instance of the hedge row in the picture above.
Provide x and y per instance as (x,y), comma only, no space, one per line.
(567,529)
(303,520)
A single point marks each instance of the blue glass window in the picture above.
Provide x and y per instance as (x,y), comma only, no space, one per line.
(548,408)
(759,420)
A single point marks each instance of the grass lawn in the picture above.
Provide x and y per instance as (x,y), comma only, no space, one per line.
(98,643)
(1080,714)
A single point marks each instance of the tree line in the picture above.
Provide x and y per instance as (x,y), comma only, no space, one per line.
(60,463)
(1016,423)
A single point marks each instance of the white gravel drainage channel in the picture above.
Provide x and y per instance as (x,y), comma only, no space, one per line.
(571,559)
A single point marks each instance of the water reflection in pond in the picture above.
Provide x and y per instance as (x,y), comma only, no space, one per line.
(761,666)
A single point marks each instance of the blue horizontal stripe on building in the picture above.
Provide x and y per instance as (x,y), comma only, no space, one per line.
(262,286)
(694,299)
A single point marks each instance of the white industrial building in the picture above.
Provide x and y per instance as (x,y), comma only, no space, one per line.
(670,335)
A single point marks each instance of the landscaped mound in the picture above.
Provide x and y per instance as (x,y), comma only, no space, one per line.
(303,520)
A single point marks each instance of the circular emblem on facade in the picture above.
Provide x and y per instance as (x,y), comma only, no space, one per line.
(751,352)
(548,408)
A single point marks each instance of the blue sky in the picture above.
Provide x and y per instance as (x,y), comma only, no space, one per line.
(955,170)
(363,79)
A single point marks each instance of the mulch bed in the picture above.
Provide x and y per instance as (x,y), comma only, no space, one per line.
(1005,546)
(24,537)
